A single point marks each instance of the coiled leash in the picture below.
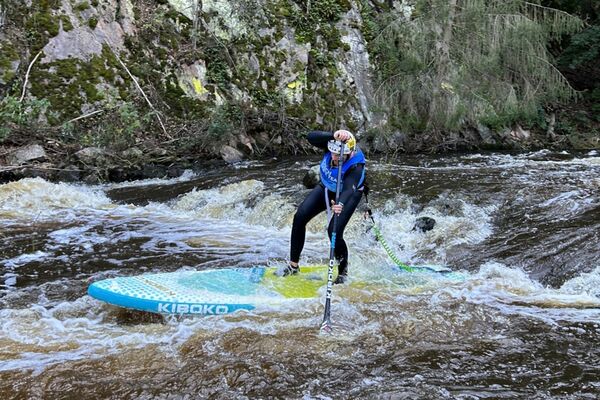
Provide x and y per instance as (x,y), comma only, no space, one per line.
(379,237)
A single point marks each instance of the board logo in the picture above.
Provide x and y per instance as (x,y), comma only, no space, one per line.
(183,308)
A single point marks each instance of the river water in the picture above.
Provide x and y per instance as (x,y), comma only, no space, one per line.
(524,322)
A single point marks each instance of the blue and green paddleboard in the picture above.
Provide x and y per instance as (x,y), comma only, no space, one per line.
(209,292)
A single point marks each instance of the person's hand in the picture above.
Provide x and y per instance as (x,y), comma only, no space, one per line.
(342,135)
(337,208)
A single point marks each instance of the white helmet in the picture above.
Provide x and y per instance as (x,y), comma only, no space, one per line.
(335,146)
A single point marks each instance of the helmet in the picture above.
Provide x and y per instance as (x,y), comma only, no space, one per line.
(335,146)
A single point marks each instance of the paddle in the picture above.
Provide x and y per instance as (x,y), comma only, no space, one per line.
(326,324)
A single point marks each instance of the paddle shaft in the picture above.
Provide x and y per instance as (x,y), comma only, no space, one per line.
(326,324)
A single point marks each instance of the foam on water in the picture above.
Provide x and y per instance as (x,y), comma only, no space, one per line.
(243,223)
(512,291)
(41,200)
(23,259)
(86,329)
(186,176)
(584,284)
(215,203)
(467,224)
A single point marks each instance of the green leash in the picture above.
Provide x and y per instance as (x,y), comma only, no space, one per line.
(388,250)
(379,237)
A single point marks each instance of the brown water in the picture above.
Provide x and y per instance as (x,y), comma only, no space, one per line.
(523,323)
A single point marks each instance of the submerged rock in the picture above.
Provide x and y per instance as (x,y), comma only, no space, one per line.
(311,178)
(424,224)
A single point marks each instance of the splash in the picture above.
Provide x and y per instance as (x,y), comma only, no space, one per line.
(512,291)
(186,176)
(36,198)
(465,223)
(220,202)
(585,284)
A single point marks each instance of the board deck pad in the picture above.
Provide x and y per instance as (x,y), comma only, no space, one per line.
(218,291)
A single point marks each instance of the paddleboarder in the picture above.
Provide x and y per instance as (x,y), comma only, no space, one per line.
(322,197)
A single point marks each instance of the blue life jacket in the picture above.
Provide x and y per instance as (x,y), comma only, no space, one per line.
(329,173)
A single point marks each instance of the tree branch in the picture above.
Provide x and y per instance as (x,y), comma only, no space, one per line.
(27,76)
(138,86)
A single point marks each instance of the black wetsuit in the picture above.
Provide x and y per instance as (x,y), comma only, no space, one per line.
(314,204)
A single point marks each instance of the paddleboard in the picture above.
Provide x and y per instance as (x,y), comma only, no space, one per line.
(210,292)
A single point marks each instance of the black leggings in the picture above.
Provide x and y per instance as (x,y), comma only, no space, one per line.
(312,205)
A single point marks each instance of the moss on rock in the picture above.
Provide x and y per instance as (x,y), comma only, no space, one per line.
(8,58)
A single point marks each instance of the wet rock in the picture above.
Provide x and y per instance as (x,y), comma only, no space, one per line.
(124,174)
(45,171)
(69,174)
(520,134)
(133,154)
(93,156)
(397,141)
(311,178)
(247,141)
(386,144)
(486,135)
(584,140)
(424,224)
(92,179)
(231,155)
(25,154)
(151,171)
(262,139)
(158,152)
(379,144)
(174,171)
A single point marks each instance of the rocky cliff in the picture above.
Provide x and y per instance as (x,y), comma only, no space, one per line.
(169,80)
(189,61)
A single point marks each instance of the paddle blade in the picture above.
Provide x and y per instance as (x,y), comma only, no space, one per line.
(326,328)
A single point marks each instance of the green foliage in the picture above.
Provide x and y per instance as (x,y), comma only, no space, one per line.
(118,128)
(8,55)
(458,62)
(321,58)
(594,97)
(217,67)
(41,21)
(93,22)
(224,122)
(587,10)
(84,5)
(316,17)
(370,27)
(584,48)
(66,23)
(69,83)
(15,115)
(515,115)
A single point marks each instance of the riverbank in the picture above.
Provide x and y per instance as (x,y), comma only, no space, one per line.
(57,160)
